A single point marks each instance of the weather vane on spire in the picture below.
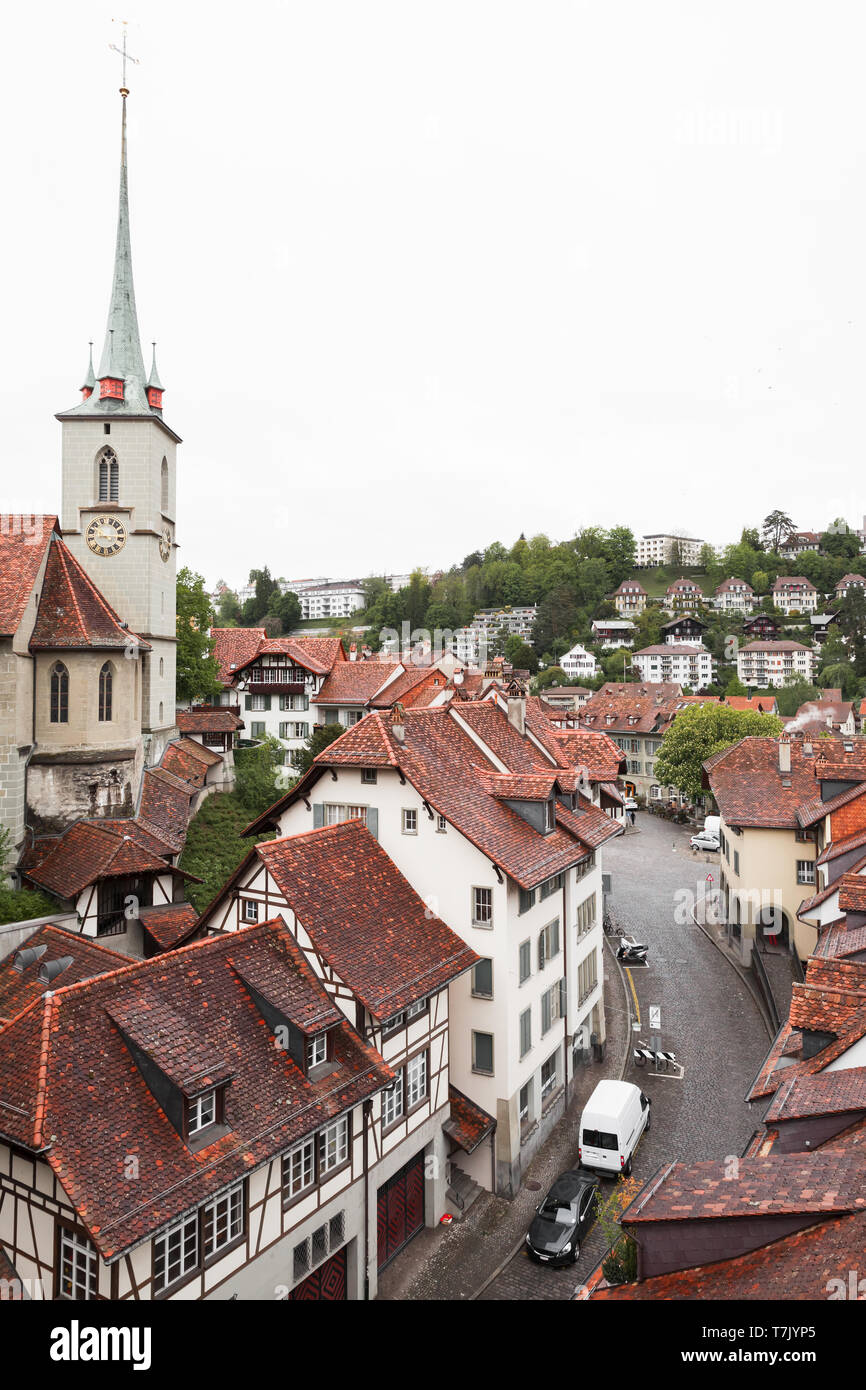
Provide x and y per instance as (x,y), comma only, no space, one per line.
(125,57)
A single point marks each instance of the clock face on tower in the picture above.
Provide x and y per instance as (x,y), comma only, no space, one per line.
(105,535)
(165,543)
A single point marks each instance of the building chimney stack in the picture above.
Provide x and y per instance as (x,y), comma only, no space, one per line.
(398,727)
(785,755)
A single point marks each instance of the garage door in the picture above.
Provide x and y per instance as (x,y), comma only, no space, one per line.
(328,1283)
(400,1209)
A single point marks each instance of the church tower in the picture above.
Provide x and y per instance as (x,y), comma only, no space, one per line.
(119,488)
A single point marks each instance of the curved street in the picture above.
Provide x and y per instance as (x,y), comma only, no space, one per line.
(708,1018)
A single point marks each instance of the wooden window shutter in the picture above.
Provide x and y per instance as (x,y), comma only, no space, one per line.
(318,815)
(248,702)
(373,821)
(268,699)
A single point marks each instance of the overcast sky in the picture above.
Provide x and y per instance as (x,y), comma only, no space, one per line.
(426,275)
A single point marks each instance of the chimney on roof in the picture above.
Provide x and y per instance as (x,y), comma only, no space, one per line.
(785,755)
(516,706)
(353,652)
(398,727)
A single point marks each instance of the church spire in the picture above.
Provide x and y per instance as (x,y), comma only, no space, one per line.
(121,356)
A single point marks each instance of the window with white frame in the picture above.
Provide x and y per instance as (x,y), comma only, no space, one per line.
(482,1053)
(175,1253)
(294,729)
(526,899)
(548,1076)
(552,1005)
(259,702)
(334,1146)
(299,1169)
(257,729)
(441,825)
(551,885)
(78,1266)
(482,979)
(548,943)
(335,815)
(586,914)
(392,1024)
(587,976)
(250,910)
(201,1112)
(805,870)
(525,1031)
(482,907)
(317,1050)
(585,867)
(549,815)
(415,1010)
(392,1102)
(368,776)
(224,1220)
(524,958)
(416,1079)
(410,821)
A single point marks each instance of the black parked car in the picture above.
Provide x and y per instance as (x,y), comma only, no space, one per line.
(563,1218)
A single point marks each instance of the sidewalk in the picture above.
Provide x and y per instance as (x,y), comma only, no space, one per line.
(455,1262)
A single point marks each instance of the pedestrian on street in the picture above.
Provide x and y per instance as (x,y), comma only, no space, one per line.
(631,814)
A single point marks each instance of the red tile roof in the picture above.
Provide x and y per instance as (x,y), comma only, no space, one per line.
(750,789)
(824,1182)
(215,719)
(734,583)
(831,994)
(356,682)
(182,759)
(169,923)
(73,613)
(839,941)
(370,924)
(88,851)
(447,768)
(852,893)
(830,1093)
(844,845)
(792,581)
(794,1268)
(234,647)
(20,988)
(188,1007)
(23,541)
(521,786)
(163,806)
(469,1124)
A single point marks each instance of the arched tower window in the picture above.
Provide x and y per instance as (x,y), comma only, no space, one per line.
(59,694)
(108,476)
(105,683)
(163,504)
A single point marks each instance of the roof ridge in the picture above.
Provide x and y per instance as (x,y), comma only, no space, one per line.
(42,1070)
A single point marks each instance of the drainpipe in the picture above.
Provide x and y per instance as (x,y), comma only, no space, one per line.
(367,1111)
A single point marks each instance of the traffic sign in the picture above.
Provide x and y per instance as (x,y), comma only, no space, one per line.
(655,1016)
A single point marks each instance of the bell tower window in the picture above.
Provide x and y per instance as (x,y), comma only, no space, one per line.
(164,488)
(105,683)
(59,694)
(108,476)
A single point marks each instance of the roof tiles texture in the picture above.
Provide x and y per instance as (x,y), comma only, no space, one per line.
(23,541)
(73,613)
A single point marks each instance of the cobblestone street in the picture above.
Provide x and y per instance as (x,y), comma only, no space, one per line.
(708,1018)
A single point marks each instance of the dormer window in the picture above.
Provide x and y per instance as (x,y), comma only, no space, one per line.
(317,1050)
(549,816)
(111,388)
(154,398)
(201,1113)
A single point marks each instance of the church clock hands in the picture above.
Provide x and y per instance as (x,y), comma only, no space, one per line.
(165,543)
(105,535)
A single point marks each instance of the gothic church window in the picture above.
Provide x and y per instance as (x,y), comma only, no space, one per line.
(105,683)
(108,476)
(164,488)
(59,694)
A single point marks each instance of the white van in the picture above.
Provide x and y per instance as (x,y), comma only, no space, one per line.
(613,1120)
(713,826)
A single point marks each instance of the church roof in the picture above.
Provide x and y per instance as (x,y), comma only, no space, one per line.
(121,353)
(73,613)
(23,540)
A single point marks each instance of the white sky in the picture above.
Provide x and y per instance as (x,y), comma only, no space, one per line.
(424,275)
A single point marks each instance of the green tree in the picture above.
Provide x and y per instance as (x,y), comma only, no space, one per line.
(699,732)
(556,618)
(776,527)
(519,653)
(793,694)
(550,676)
(228,610)
(852,624)
(735,687)
(257,775)
(760,581)
(303,758)
(286,607)
(197,671)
